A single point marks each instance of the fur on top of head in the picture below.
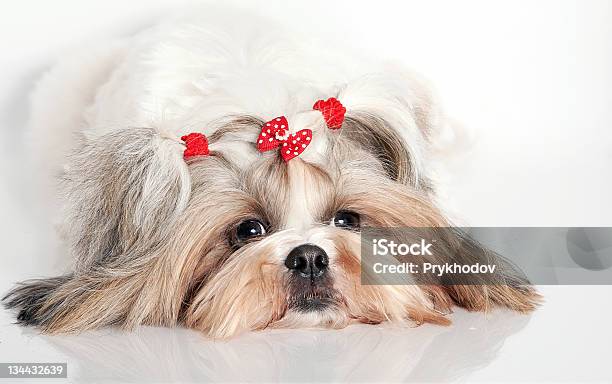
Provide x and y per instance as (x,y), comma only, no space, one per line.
(238,239)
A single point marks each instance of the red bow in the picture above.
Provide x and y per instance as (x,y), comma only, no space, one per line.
(333,112)
(276,132)
(197,145)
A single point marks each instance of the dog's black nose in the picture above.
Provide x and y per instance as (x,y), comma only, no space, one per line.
(308,260)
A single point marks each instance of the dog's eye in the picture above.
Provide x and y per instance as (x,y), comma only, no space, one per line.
(346,219)
(249,229)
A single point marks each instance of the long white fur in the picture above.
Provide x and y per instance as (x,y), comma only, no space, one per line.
(184,75)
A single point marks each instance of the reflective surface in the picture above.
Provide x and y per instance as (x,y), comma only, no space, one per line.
(566,340)
(359,353)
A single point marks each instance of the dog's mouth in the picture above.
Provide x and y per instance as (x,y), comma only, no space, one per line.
(314,300)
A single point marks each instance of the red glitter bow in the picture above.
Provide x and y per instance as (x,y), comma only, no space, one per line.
(275,133)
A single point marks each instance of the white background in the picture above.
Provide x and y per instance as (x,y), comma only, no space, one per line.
(531,81)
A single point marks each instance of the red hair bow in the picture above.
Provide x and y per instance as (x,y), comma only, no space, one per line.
(275,133)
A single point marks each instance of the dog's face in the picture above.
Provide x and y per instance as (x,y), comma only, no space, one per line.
(278,244)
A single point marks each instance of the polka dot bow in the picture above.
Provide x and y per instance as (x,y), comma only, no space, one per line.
(275,133)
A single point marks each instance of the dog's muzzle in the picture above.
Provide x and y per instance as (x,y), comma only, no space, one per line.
(310,282)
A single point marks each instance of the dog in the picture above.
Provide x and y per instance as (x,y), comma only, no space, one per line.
(216,174)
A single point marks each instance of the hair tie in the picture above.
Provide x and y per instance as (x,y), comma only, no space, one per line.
(196,145)
(333,112)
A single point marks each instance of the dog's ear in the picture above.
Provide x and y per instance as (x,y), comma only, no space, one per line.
(30,297)
(123,191)
(506,287)
(140,292)
(393,115)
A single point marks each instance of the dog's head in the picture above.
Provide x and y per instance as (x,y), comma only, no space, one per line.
(277,243)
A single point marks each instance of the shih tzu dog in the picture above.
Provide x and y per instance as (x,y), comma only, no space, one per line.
(216,174)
